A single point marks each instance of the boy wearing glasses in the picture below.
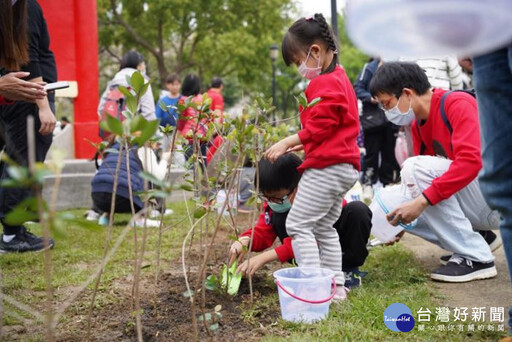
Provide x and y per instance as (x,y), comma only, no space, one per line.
(278,185)
(440,185)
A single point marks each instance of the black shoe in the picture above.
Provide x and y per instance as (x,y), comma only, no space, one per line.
(493,240)
(24,241)
(459,270)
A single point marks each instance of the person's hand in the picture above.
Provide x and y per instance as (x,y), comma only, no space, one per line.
(276,151)
(237,251)
(295,148)
(374,100)
(47,119)
(12,87)
(249,267)
(407,212)
(397,238)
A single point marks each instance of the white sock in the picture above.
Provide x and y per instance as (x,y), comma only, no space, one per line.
(8,238)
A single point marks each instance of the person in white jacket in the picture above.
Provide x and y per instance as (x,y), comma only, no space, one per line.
(131,62)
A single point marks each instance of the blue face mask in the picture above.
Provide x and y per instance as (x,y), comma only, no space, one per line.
(398,118)
(281,207)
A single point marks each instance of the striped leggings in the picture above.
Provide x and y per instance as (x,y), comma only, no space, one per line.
(316,207)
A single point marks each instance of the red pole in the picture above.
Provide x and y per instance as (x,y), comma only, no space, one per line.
(86,104)
(73,27)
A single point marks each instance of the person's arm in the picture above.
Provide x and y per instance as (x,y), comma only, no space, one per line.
(150,163)
(455,73)
(249,267)
(147,105)
(13,88)
(46,115)
(361,85)
(462,113)
(281,147)
(263,238)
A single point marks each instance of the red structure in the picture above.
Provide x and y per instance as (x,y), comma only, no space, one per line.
(73,27)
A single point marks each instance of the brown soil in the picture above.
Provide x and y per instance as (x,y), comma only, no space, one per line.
(167,312)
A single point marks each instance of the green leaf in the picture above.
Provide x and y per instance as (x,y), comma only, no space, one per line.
(144,89)
(186,187)
(206,317)
(147,132)
(211,282)
(157,194)
(151,178)
(214,327)
(137,123)
(302,100)
(17,172)
(131,104)
(23,212)
(188,294)
(199,212)
(125,91)
(114,125)
(137,82)
(314,102)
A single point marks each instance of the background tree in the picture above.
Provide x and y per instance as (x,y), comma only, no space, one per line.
(227,38)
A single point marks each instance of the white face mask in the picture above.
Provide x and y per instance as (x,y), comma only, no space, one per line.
(398,118)
(307,72)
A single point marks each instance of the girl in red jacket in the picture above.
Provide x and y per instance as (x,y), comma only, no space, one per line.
(328,137)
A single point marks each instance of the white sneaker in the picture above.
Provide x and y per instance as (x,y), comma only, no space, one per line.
(91,215)
(156,213)
(367,194)
(148,222)
(341,294)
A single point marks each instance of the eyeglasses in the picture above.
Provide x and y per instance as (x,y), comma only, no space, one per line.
(385,106)
(276,200)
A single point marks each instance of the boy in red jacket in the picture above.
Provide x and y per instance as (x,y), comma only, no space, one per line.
(278,180)
(440,182)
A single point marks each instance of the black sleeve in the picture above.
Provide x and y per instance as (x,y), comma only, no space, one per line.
(34,30)
(42,60)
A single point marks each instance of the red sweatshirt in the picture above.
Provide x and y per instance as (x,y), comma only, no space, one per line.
(462,113)
(265,235)
(217,102)
(330,128)
(4,101)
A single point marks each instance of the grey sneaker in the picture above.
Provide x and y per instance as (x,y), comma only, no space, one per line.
(25,241)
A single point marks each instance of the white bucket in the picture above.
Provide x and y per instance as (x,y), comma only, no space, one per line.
(305,293)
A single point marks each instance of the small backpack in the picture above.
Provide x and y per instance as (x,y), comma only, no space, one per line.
(114,106)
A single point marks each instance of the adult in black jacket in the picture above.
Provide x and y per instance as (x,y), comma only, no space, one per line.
(41,67)
(379,133)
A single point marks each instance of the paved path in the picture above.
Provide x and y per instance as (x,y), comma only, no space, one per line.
(496,292)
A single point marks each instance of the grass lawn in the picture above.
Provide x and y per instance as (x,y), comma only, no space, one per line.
(395,276)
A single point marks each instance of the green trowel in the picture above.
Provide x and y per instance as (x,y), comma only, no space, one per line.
(230,280)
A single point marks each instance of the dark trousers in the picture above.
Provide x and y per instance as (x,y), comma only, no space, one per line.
(101,202)
(380,144)
(353,227)
(14,120)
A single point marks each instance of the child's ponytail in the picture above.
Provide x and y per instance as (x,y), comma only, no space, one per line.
(326,32)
